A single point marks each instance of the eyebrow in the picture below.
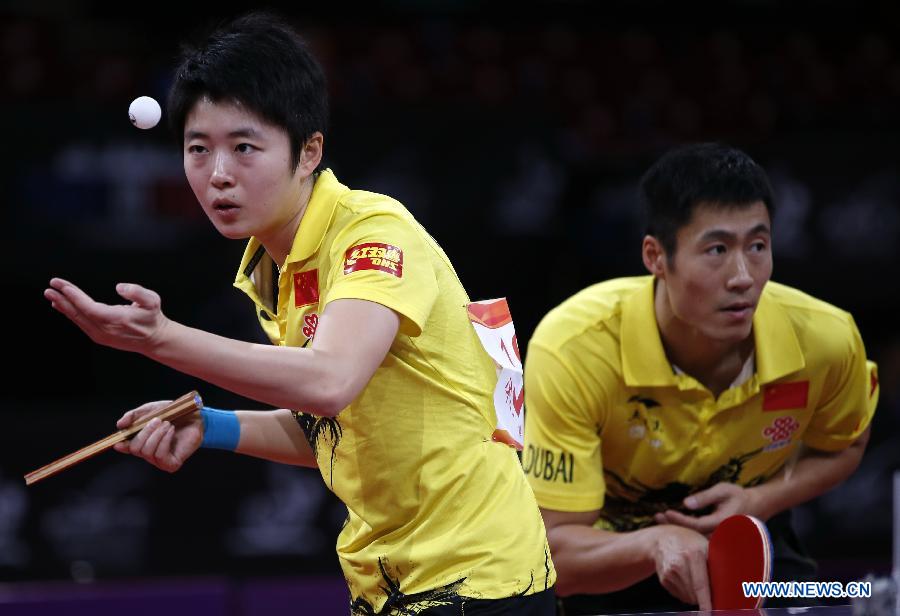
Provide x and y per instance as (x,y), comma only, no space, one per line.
(248,132)
(723,235)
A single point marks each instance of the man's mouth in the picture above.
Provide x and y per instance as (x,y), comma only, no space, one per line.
(739,310)
(222,205)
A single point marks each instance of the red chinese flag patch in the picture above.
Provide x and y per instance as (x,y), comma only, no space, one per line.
(783,396)
(306,288)
(374,256)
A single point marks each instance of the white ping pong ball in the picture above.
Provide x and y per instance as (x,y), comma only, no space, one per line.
(144,112)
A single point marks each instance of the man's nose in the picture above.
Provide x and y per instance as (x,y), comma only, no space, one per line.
(740,279)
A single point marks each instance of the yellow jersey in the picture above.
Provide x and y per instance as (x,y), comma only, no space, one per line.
(436,509)
(612,425)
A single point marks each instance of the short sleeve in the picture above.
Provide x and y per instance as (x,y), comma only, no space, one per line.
(382,258)
(849,398)
(562,456)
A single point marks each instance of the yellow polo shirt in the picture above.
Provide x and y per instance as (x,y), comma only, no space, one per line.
(611,425)
(437,510)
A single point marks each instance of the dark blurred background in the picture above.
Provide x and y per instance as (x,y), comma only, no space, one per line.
(516,133)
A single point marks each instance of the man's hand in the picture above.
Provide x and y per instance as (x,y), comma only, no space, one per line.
(680,558)
(128,327)
(162,444)
(726,499)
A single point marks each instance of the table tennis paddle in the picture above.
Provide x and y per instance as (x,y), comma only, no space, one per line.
(174,411)
(740,550)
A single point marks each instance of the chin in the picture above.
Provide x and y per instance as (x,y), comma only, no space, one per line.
(733,335)
(233,234)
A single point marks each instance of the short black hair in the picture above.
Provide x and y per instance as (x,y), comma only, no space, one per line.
(261,63)
(711,174)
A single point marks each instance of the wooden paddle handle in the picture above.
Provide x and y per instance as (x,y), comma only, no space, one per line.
(184,406)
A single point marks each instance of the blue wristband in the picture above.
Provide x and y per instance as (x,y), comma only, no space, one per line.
(221,429)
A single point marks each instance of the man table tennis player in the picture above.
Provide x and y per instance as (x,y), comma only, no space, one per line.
(657,406)
(380,377)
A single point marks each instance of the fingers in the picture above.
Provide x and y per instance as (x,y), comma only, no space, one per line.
(82,302)
(679,587)
(127,327)
(139,295)
(671,516)
(700,582)
(690,584)
(145,409)
(168,459)
(710,496)
(680,560)
(156,446)
(126,420)
(62,304)
(153,443)
(136,444)
(704,524)
(79,307)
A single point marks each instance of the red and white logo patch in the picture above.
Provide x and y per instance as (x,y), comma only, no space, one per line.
(781,429)
(374,256)
(310,323)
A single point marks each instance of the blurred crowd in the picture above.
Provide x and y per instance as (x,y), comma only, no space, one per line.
(518,142)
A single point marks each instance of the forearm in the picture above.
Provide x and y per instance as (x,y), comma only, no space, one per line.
(591,560)
(274,435)
(813,473)
(292,378)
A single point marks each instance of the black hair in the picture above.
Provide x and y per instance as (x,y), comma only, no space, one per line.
(708,174)
(259,62)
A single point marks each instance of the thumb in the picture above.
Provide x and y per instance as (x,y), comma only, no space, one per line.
(125,420)
(707,497)
(138,294)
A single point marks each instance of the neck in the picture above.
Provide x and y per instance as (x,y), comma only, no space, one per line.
(714,363)
(279,242)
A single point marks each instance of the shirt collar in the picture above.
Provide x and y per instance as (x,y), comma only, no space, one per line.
(325,195)
(313,226)
(778,351)
(644,362)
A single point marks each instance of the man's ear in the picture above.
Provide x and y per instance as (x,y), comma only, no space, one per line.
(654,256)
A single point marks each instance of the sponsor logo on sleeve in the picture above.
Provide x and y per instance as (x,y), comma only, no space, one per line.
(374,256)
(310,323)
(779,432)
